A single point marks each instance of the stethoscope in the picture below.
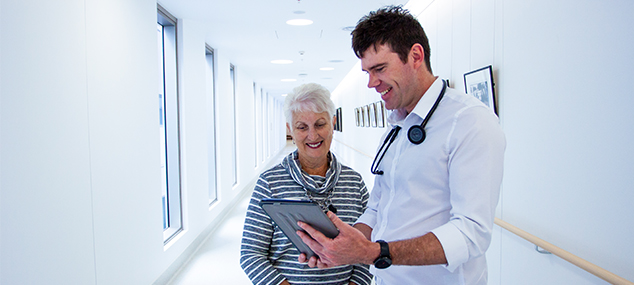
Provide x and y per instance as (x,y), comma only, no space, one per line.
(415,134)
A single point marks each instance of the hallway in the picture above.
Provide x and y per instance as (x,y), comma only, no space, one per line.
(84,120)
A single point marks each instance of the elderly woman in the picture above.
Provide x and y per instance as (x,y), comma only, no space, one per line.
(311,172)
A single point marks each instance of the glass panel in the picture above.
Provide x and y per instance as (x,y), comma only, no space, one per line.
(234,166)
(163,155)
(211,126)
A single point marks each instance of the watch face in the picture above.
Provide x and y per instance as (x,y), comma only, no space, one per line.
(383,262)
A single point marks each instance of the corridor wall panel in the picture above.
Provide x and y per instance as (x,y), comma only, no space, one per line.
(46,230)
(125,176)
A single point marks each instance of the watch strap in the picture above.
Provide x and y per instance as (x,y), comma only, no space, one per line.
(384,260)
(385,249)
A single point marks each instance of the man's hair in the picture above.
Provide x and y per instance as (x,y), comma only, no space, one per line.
(391,25)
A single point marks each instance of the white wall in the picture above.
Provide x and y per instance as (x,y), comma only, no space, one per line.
(562,71)
(80,181)
(47,219)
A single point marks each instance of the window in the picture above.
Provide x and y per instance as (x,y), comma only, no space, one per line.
(234,157)
(267,124)
(169,125)
(211,125)
(255,123)
(263,113)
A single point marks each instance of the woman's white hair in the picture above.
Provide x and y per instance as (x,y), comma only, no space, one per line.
(308,97)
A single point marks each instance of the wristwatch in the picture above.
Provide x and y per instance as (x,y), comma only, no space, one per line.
(384,260)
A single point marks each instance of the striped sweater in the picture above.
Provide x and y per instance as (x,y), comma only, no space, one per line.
(268,257)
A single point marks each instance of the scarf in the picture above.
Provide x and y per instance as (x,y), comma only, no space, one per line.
(292,166)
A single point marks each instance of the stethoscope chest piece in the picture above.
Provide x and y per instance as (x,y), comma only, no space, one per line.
(416,134)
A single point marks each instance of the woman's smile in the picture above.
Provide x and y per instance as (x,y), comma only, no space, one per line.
(314,145)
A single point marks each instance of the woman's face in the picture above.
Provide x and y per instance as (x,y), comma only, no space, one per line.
(312,133)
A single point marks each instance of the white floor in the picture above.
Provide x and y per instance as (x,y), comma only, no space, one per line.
(218,259)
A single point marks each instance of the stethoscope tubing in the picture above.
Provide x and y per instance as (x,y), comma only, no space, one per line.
(415,134)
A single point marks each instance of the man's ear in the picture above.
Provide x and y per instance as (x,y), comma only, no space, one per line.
(417,55)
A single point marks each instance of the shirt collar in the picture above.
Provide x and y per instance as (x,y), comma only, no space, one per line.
(422,107)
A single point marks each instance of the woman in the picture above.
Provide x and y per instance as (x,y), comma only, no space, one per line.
(311,172)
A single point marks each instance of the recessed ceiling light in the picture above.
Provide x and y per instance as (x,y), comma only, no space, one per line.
(284,95)
(282,61)
(299,22)
(289,80)
(298,12)
(336,60)
(327,68)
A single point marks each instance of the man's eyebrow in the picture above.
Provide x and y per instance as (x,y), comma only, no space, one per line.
(375,66)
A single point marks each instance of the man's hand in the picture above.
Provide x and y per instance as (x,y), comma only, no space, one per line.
(349,247)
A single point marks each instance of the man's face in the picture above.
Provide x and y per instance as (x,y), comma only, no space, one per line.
(389,76)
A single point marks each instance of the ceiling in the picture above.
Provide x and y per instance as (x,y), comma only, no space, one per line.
(252,33)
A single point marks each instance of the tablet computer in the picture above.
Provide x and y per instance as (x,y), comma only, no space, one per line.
(285,213)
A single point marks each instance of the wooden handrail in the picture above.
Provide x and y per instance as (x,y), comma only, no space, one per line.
(578,261)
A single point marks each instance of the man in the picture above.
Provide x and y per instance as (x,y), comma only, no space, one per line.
(431,211)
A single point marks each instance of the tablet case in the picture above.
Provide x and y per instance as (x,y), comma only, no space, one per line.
(285,213)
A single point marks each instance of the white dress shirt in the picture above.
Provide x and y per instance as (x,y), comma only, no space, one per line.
(449,185)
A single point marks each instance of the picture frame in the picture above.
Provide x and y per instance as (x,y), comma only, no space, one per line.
(479,83)
(367,117)
(363,116)
(373,116)
(357,115)
(380,114)
(339,120)
(336,125)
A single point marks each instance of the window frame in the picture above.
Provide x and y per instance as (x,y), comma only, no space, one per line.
(168,48)
(212,126)
(232,75)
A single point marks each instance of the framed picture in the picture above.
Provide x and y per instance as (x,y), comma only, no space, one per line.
(356,116)
(367,117)
(363,115)
(380,114)
(373,115)
(339,119)
(479,83)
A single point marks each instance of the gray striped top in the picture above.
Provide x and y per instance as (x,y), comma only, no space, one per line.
(268,257)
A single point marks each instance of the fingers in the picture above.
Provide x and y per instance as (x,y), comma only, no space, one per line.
(315,234)
(335,220)
(319,243)
(312,262)
(322,265)
(309,241)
